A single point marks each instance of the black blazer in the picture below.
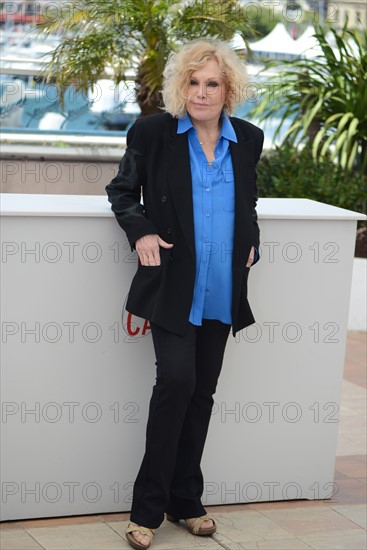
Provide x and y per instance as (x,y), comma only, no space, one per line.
(157,163)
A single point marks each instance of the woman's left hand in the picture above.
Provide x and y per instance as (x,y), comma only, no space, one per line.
(251,257)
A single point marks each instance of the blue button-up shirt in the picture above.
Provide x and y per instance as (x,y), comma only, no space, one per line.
(213,201)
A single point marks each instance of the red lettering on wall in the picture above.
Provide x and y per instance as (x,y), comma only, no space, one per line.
(145,328)
(129,326)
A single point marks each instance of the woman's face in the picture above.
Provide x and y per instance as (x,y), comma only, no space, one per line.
(206,93)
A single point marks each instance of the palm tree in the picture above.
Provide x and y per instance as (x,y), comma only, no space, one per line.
(326,97)
(119,35)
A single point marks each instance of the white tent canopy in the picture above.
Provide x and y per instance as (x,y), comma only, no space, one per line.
(307,45)
(238,43)
(307,40)
(278,41)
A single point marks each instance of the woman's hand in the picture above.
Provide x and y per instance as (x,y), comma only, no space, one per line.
(147,248)
(251,257)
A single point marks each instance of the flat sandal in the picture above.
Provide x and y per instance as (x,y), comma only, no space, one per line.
(194,525)
(143,530)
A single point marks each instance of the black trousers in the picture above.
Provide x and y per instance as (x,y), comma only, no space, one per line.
(170,478)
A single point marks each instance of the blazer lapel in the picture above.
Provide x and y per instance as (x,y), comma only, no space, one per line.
(179,181)
(242,154)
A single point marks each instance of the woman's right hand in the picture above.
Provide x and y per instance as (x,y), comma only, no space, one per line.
(147,248)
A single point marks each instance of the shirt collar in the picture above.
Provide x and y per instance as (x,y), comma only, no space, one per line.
(226,131)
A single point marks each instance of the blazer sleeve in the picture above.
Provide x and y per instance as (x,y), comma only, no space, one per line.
(259,143)
(124,190)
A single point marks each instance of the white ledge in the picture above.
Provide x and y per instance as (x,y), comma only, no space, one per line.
(81,152)
(52,137)
(291,209)
(16,204)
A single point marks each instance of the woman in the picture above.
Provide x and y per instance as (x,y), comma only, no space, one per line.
(196,236)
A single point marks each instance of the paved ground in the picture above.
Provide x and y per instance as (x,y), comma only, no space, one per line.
(286,525)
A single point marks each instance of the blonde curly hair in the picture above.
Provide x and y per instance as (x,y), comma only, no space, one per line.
(193,56)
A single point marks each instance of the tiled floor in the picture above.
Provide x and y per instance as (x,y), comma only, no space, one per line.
(288,525)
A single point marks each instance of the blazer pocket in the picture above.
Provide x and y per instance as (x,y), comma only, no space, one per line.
(164,254)
(146,286)
(148,280)
(148,268)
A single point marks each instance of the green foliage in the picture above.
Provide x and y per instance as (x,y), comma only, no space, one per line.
(286,172)
(112,36)
(262,22)
(326,97)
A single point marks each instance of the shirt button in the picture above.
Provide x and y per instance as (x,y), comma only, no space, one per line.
(207,189)
(164,198)
(207,214)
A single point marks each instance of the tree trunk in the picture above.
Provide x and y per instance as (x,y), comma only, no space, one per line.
(364,157)
(149,101)
(312,130)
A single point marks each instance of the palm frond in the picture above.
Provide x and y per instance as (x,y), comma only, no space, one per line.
(330,91)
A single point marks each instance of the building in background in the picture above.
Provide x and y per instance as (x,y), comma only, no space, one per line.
(353,10)
(337,12)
